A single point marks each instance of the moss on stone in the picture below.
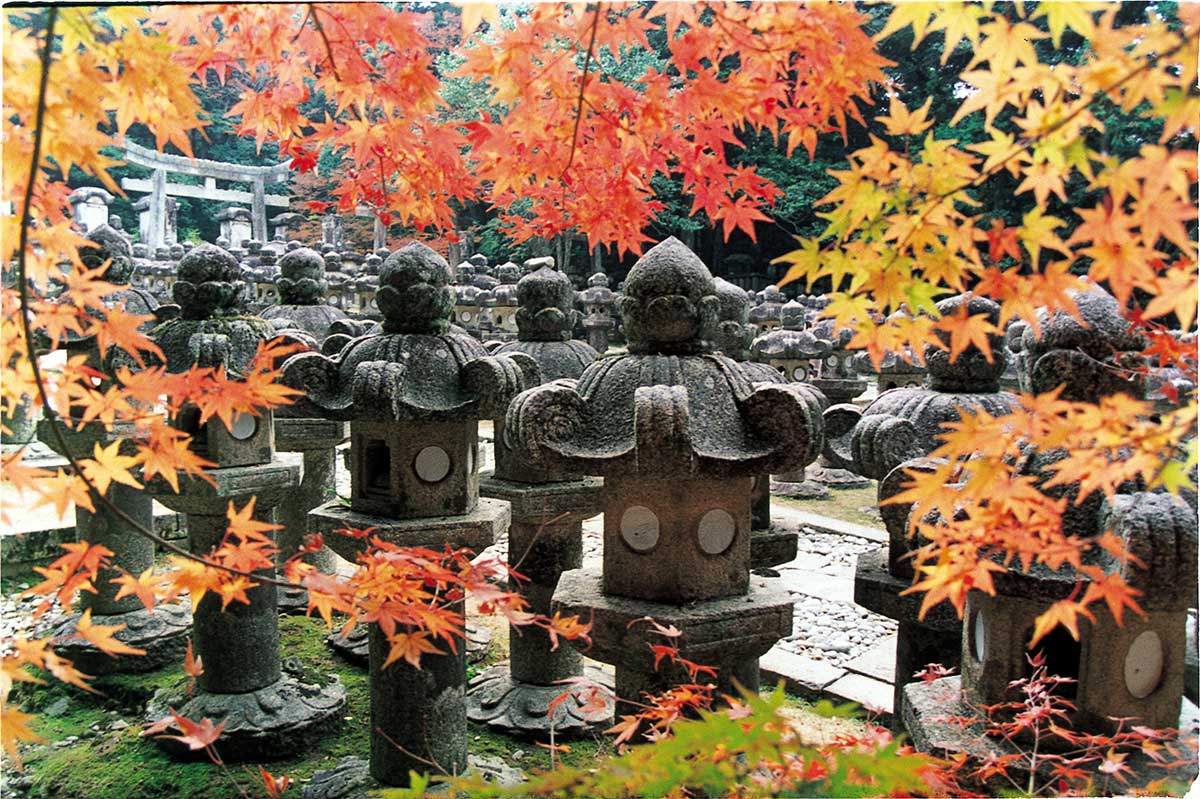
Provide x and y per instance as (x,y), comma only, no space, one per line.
(118,764)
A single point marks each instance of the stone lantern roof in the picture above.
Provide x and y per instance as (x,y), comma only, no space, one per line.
(211,329)
(417,367)
(545,320)
(302,286)
(670,407)
(1085,354)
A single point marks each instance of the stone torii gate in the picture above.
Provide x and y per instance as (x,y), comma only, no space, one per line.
(154,233)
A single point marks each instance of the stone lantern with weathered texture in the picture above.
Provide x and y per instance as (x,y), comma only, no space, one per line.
(302,289)
(889,439)
(1133,670)
(546,535)
(769,546)
(598,300)
(413,394)
(267,712)
(795,355)
(765,314)
(677,432)
(504,303)
(162,634)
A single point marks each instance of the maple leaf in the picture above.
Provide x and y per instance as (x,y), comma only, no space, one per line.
(409,646)
(14,727)
(968,331)
(625,729)
(1065,612)
(741,215)
(901,122)
(193,665)
(276,786)
(1113,590)
(475,14)
(243,524)
(107,466)
(196,734)
(145,586)
(101,636)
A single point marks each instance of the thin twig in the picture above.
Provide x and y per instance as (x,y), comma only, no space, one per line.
(587,63)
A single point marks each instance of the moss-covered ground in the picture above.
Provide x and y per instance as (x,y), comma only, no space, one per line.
(844,505)
(107,763)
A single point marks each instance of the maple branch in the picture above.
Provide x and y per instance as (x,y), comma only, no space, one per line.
(1028,142)
(587,63)
(312,14)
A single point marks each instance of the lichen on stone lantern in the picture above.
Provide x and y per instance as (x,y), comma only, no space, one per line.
(677,432)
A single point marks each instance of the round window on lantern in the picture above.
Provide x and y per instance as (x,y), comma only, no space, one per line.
(244,426)
(1144,665)
(639,528)
(432,464)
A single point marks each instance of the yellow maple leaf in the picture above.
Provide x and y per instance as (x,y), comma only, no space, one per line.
(107,466)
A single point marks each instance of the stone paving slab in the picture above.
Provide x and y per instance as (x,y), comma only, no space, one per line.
(818,584)
(871,694)
(783,514)
(802,676)
(878,662)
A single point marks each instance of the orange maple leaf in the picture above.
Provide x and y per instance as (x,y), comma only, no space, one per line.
(101,636)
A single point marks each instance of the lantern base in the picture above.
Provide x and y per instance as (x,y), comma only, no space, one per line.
(496,699)
(276,721)
(934,715)
(163,634)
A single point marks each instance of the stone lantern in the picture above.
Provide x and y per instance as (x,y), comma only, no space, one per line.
(163,632)
(302,287)
(889,439)
(466,302)
(896,370)
(546,535)
(485,279)
(677,432)
(840,384)
(267,712)
(765,315)
(504,303)
(236,226)
(413,394)
(1134,670)
(795,355)
(598,301)
(791,349)
(768,546)
(90,207)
